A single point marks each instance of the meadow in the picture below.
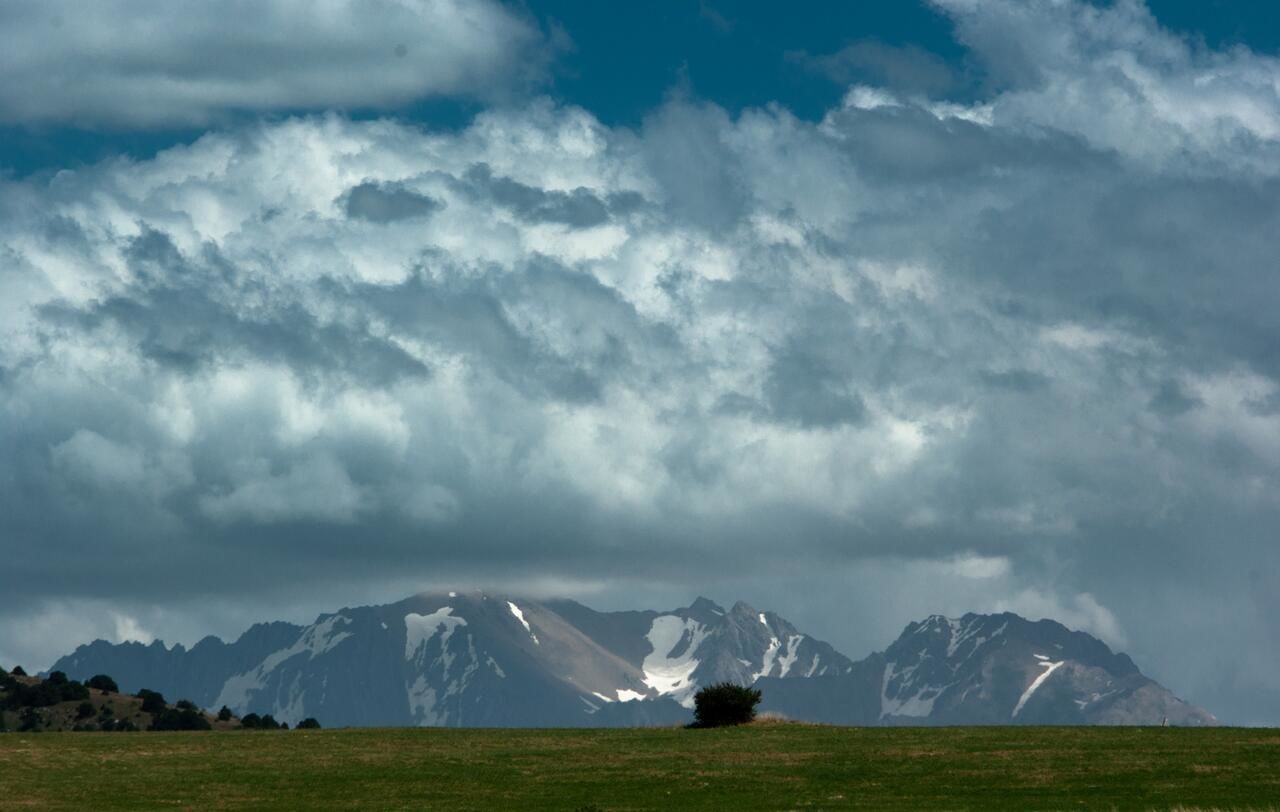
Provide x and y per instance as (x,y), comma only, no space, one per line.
(760,766)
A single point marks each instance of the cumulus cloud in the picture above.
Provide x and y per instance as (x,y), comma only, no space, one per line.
(1024,356)
(152,63)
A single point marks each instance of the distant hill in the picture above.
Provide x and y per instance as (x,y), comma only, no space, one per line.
(57,703)
(480,660)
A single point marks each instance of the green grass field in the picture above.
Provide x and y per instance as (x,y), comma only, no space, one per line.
(763,766)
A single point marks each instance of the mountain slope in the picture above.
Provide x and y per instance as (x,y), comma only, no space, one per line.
(988,669)
(480,660)
(475,660)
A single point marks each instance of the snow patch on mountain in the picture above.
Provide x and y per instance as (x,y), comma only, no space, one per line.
(767,664)
(497,669)
(313,641)
(814,666)
(419,629)
(515,610)
(1049,667)
(428,705)
(918,704)
(792,652)
(669,666)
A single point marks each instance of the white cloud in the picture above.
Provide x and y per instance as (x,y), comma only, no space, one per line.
(152,63)
(1113,76)
(1081,612)
(998,343)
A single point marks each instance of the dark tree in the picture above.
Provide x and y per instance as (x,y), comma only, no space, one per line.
(184,719)
(251,721)
(152,701)
(224,715)
(56,678)
(101,682)
(186,704)
(724,704)
(85,710)
(309,723)
(18,671)
(29,719)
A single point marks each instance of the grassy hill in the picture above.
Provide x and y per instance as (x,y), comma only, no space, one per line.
(55,704)
(761,766)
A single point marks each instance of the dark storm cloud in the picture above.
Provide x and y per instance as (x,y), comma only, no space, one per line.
(696,170)
(807,390)
(1014,380)
(386,204)
(191,313)
(578,208)
(1017,354)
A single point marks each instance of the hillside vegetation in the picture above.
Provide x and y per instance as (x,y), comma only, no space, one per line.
(55,703)
(758,766)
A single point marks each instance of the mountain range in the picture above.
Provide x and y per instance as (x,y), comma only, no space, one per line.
(480,660)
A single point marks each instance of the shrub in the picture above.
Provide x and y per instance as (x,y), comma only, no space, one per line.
(253,721)
(43,694)
(184,719)
(85,710)
(224,715)
(103,683)
(152,701)
(18,671)
(28,720)
(724,704)
(186,704)
(309,723)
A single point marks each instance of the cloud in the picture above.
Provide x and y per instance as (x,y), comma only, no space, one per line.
(146,64)
(908,69)
(1018,354)
(1081,612)
(369,201)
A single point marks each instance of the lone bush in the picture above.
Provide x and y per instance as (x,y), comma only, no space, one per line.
(224,715)
(152,701)
(724,704)
(309,723)
(103,683)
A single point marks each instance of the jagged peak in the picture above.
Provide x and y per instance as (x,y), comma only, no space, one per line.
(703,604)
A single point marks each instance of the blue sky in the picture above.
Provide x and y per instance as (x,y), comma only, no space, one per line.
(620,61)
(858,312)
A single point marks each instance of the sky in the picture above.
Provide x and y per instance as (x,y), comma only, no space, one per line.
(857,312)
